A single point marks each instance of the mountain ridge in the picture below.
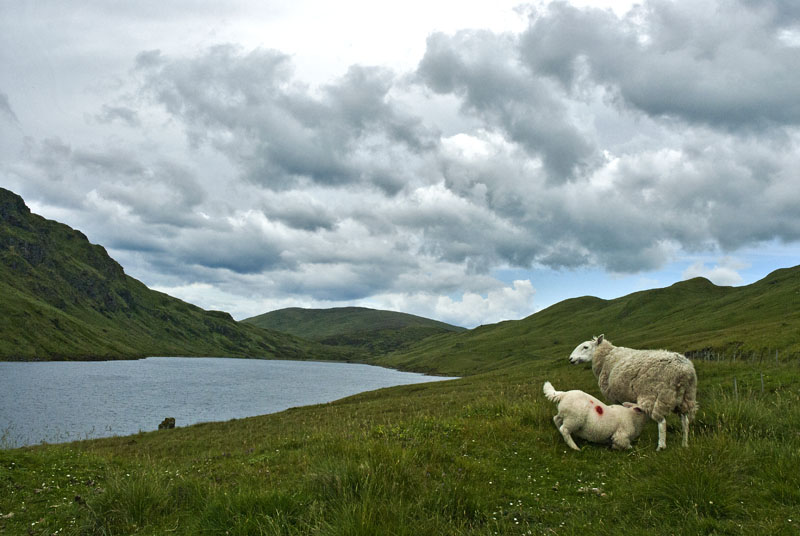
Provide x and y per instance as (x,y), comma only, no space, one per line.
(694,316)
(65,298)
(370,330)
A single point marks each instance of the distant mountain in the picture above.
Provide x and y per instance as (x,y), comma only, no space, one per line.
(694,316)
(64,298)
(370,330)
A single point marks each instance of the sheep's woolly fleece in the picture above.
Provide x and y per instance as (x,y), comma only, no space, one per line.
(660,381)
(582,414)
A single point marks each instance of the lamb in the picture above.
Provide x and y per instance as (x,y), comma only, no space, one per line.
(659,381)
(582,414)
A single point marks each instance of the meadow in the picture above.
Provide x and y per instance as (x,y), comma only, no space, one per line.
(475,456)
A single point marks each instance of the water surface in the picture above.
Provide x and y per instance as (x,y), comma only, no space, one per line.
(65,401)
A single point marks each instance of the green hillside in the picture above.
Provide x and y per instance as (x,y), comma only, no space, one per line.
(370,330)
(64,298)
(695,317)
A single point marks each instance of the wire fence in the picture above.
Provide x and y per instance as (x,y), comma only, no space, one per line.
(749,356)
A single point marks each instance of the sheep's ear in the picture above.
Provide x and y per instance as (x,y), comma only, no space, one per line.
(600,339)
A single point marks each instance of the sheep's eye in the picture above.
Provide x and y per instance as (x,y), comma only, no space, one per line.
(585,347)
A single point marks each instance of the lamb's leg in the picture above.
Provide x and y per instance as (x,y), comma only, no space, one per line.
(620,441)
(662,433)
(685,427)
(565,432)
(568,438)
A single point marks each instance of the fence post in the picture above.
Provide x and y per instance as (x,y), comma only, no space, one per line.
(735,389)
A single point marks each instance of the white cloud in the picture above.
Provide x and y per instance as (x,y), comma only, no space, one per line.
(724,273)
(470,309)
(323,154)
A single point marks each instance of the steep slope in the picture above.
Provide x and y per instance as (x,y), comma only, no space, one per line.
(693,316)
(64,298)
(370,330)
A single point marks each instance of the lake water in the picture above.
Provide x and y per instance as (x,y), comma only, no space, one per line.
(56,402)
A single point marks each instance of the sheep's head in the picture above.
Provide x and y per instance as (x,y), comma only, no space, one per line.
(584,352)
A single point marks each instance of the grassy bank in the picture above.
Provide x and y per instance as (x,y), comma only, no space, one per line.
(478,455)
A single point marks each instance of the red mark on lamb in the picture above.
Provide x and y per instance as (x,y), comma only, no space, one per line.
(599,410)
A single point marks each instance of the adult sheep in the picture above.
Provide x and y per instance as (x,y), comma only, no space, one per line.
(658,381)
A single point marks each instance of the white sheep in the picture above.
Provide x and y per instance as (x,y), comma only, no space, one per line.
(582,414)
(659,381)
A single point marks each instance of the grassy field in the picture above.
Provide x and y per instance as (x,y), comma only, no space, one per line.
(479,455)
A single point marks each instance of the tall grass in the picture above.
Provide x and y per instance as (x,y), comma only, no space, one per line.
(476,456)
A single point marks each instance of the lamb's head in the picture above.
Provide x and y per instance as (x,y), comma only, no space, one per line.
(584,352)
(638,416)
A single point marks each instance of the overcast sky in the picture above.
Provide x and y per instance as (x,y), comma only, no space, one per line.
(465,161)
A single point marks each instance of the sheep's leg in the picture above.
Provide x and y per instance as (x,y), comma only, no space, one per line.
(685,428)
(662,433)
(565,432)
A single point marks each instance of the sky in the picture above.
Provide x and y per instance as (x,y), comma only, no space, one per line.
(466,161)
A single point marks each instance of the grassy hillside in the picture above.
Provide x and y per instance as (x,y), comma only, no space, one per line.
(695,317)
(370,330)
(64,298)
(476,456)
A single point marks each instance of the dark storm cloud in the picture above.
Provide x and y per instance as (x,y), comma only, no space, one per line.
(723,69)
(714,191)
(483,69)
(6,112)
(588,139)
(156,192)
(123,114)
(722,64)
(782,12)
(301,212)
(249,106)
(243,250)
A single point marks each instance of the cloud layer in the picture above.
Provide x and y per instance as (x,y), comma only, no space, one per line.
(588,139)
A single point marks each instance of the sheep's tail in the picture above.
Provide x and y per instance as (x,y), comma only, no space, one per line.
(551,393)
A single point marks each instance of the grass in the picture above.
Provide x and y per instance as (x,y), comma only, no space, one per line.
(478,455)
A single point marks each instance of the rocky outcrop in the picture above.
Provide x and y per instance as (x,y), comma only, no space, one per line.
(167,423)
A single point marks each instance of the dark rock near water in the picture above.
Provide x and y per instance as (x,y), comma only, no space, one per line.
(167,423)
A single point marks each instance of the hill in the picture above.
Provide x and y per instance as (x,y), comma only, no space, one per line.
(695,317)
(370,330)
(65,298)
